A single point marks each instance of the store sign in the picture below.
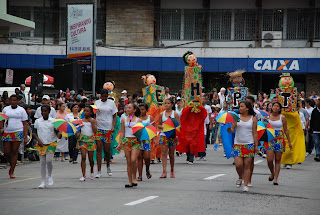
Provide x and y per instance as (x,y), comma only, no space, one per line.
(80,30)
(276,65)
(9,76)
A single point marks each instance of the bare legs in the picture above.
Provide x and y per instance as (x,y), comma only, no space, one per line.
(83,161)
(11,152)
(243,167)
(274,167)
(144,155)
(132,158)
(106,148)
(165,150)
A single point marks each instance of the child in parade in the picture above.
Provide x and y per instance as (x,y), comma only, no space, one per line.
(86,141)
(130,144)
(146,144)
(245,143)
(47,136)
(168,144)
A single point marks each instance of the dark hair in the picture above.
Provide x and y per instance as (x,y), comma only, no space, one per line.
(137,113)
(310,102)
(59,105)
(81,105)
(172,102)
(146,106)
(46,106)
(84,100)
(72,106)
(249,106)
(184,56)
(104,91)
(14,96)
(251,98)
(134,96)
(273,103)
(26,107)
(91,110)
(80,90)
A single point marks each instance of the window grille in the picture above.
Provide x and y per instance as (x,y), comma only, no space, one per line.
(220,25)
(194,21)
(38,19)
(272,20)
(22,12)
(297,24)
(101,23)
(317,25)
(63,23)
(170,24)
(245,25)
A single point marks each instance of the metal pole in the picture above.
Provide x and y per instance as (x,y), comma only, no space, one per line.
(94,48)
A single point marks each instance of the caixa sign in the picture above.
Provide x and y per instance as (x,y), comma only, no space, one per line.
(277,65)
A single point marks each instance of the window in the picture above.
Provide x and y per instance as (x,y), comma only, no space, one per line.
(39,19)
(22,12)
(63,23)
(170,24)
(101,23)
(194,21)
(297,24)
(220,28)
(245,25)
(317,25)
(272,20)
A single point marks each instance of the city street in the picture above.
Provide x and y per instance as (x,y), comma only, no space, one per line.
(207,187)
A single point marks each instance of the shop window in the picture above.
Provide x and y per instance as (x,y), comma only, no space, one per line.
(220,25)
(297,24)
(194,21)
(170,24)
(272,20)
(245,24)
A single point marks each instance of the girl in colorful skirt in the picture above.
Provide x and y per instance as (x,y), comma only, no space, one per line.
(47,136)
(245,143)
(277,145)
(146,144)
(130,144)
(15,130)
(86,141)
(168,144)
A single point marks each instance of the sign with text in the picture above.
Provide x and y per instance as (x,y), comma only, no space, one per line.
(235,96)
(287,97)
(9,76)
(153,95)
(80,31)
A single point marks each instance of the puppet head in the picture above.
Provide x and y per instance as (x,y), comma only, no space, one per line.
(236,78)
(189,58)
(109,85)
(149,79)
(286,80)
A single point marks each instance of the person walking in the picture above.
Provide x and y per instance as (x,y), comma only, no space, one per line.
(315,129)
(72,140)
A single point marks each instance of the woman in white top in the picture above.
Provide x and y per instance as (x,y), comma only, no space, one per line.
(130,144)
(245,143)
(72,140)
(168,144)
(86,141)
(14,130)
(276,147)
(145,151)
(63,142)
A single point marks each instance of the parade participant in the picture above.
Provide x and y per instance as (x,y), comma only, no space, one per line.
(15,130)
(72,140)
(315,129)
(45,100)
(168,144)
(207,129)
(86,141)
(245,144)
(146,144)
(106,118)
(277,146)
(222,97)
(63,142)
(179,106)
(130,144)
(46,135)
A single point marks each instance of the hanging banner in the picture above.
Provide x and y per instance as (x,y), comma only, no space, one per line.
(80,34)
(9,76)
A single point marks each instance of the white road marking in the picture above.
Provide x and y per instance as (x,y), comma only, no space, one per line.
(141,200)
(258,161)
(214,176)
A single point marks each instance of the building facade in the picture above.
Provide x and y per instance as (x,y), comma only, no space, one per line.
(137,37)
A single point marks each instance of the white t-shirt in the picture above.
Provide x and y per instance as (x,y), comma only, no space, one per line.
(123,116)
(70,117)
(222,99)
(104,115)
(309,111)
(258,114)
(53,113)
(15,118)
(45,130)
(209,111)
(303,120)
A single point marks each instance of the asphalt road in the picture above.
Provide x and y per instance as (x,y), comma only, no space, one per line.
(189,193)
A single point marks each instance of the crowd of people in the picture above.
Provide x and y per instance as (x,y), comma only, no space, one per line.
(32,124)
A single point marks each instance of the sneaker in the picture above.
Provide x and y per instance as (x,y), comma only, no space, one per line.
(204,159)
(289,166)
(152,161)
(42,186)
(168,158)
(264,155)
(239,182)
(284,165)
(50,181)
(307,154)
(190,162)
(199,158)
(249,185)
(82,179)
(224,155)
(245,189)
(109,171)
(159,160)
(99,174)
(317,159)
(91,176)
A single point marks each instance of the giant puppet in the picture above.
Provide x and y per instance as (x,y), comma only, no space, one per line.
(287,95)
(110,85)
(191,138)
(237,92)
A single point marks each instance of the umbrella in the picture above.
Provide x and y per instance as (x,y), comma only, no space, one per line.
(266,132)
(81,114)
(3,116)
(171,127)
(47,79)
(227,117)
(78,123)
(144,131)
(67,129)
(264,113)
(95,108)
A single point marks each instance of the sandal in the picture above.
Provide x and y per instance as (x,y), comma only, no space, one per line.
(164,175)
(148,175)
(172,175)
(271,179)
(134,184)
(128,186)
(139,179)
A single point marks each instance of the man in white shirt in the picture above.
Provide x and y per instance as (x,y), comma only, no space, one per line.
(45,100)
(166,93)
(221,95)
(207,128)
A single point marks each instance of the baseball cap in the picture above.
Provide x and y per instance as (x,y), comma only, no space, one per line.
(46,97)
(178,98)
(124,91)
